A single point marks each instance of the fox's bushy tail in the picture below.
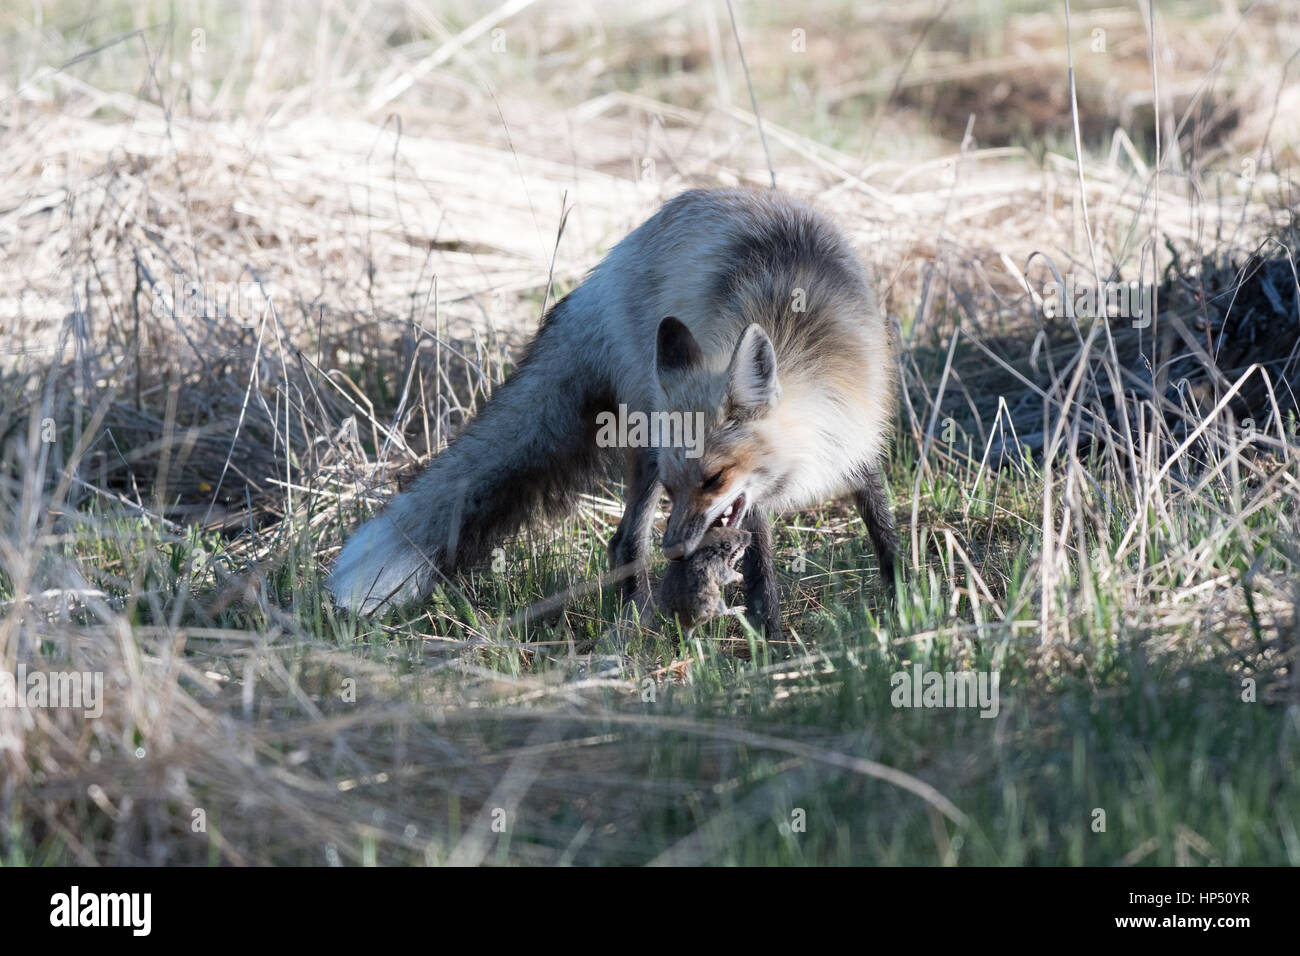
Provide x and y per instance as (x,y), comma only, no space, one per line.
(527,453)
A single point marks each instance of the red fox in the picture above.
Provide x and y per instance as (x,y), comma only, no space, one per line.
(742,309)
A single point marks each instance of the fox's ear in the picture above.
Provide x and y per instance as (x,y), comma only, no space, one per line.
(752,385)
(676,349)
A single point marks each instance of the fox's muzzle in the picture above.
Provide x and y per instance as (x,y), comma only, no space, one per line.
(683,533)
(686,528)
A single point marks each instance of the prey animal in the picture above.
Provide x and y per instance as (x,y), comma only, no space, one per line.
(693,587)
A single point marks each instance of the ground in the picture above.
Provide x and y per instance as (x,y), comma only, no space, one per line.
(258,264)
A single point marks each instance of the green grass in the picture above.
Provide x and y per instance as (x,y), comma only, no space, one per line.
(1122,717)
(1138,600)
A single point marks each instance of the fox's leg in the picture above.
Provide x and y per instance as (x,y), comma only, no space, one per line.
(760,576)
(873,505)
(631,542)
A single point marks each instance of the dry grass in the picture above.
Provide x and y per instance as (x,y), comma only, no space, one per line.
(391,194)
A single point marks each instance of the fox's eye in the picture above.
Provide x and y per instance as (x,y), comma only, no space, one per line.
(711,482)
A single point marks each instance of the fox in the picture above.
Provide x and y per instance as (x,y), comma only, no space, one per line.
(745,308)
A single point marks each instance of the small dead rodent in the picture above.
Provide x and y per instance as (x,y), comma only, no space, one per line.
(692,588)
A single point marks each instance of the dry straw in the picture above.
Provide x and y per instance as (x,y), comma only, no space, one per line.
(423,247)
